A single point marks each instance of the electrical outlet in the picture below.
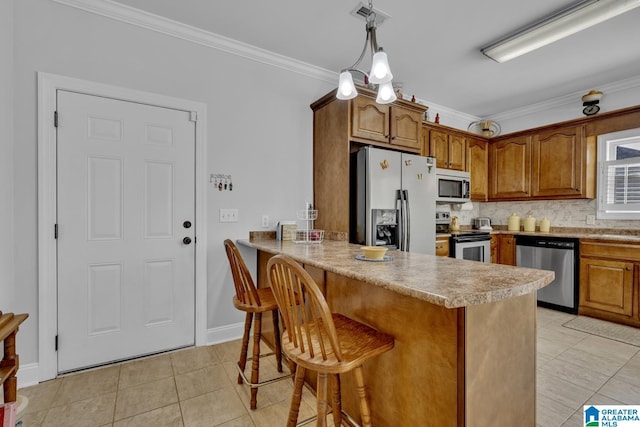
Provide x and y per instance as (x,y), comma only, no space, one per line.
(591,219)
(228,215)
(265,221)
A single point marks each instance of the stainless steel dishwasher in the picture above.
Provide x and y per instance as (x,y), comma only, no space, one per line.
(559,255)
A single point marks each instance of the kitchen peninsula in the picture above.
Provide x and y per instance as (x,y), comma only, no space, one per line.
(465,332)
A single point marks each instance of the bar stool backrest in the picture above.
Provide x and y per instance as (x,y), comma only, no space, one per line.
(246,293)
(304,310)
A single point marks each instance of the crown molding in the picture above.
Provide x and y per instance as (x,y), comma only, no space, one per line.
(569,99)
(139,18)
(449,117)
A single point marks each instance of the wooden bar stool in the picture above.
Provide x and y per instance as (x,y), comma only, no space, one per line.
(253,301)
(316,339)
(9,324)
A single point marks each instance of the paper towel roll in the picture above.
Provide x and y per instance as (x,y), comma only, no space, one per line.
(462,206)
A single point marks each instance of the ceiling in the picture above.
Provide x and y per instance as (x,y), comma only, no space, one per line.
(433,46)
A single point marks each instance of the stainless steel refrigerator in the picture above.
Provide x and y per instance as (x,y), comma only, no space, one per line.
(393,200)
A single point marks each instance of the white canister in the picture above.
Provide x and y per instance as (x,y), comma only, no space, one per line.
(544,225)
(529,224)
(513,222)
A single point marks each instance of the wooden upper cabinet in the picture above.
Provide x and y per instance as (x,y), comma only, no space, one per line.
(406,127)
(510,173)
(478,166)
(457,152)
(390,124)
(559,164)
(450,150)
(439,148)
(369,120)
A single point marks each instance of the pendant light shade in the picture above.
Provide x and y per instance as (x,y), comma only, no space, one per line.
(386,95)
(346,88)
(380,70)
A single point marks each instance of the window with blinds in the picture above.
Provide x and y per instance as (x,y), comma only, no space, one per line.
(619,175)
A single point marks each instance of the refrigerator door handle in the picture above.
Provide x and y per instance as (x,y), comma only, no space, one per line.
(404,226)
(407,216)
(400,208)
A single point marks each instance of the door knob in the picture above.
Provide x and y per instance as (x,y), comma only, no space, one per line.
(186,224)
(186,240)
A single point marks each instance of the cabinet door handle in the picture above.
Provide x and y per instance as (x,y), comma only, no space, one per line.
(628,268)
(393,137)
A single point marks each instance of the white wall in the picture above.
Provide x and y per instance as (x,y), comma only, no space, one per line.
(616,95)
(259,129)
(6,157)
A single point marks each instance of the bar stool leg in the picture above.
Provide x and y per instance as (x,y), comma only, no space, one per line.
(276,334)
(255,362)
(322,399)
(296,397)
(362,394)
(242,363)
(336,398)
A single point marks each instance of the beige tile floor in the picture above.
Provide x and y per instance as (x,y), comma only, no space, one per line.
(197,386)
(576,369)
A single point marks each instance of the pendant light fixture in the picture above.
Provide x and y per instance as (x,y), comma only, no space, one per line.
(380,73)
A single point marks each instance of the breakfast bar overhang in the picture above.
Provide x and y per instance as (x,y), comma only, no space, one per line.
(465,332)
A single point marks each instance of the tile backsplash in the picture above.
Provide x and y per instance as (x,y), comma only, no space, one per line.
(561,213)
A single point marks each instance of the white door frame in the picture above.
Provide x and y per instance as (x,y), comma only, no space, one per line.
(48,84)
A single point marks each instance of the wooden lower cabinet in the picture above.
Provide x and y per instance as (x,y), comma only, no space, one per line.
(609,283)
(503,249)
(442,246)
(494,249)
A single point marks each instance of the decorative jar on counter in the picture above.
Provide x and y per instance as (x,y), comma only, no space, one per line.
(529,224)
(513,222)
(544,225)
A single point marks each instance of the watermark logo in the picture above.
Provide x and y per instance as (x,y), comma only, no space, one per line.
(592,417)
(611,416)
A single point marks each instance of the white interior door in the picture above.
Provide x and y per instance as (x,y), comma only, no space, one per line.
(125,194)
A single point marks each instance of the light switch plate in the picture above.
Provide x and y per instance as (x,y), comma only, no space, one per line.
(591,219)
(228,215)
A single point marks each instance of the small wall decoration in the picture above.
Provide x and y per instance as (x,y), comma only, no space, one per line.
(221,181)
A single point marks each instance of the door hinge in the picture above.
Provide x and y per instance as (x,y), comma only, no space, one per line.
(193,116)
(55,119)
(55,231)
(56,344)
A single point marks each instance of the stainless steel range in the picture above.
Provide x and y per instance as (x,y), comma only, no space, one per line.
(474,245)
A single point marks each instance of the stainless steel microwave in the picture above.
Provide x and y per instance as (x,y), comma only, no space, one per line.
(453,186)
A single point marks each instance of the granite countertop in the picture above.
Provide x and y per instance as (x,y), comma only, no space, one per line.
(622,236)
(577,234)
(442,281)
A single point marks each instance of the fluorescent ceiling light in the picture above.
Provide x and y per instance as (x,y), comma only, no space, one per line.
(563,23)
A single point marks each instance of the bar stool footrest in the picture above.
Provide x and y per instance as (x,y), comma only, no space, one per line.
(261,383)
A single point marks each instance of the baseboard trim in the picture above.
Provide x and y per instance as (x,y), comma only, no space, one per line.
(225,333)
(28,375)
